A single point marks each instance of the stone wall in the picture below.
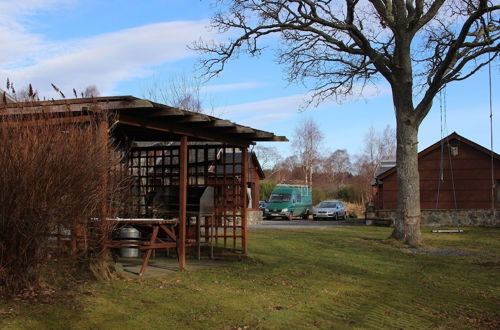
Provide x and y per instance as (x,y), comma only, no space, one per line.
(254,217)
(462,217)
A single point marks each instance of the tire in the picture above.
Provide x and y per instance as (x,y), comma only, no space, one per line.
(315,219)
(337,216)
(305,216)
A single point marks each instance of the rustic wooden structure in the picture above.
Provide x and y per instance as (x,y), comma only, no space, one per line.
(168,153)
(455,173)
(156,227)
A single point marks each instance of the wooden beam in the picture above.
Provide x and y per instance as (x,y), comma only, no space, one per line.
(75,105)
(194,118)
(239,130)
(31,122)
(167,112)
(244,179)
(221,123)
(176,128)
(183,160)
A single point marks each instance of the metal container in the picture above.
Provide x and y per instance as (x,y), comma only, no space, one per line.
(130,234)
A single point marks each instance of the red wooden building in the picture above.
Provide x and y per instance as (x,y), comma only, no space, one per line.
(455,173)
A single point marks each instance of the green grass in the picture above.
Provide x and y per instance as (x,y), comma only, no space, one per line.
(348,277)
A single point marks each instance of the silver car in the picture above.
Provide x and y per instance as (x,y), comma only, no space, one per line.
(330,210)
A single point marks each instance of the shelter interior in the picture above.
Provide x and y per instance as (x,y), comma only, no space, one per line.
(187,169)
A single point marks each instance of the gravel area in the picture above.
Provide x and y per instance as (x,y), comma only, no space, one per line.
(299,224)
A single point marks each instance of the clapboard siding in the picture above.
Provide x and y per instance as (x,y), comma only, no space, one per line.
(466,177)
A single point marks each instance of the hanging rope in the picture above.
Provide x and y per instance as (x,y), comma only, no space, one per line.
(449,149)
(441,178)
(488,18)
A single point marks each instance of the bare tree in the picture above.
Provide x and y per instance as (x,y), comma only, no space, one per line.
(90,91)
(288,170)
(306,142)
(380,145)
(337,165)
(417,46)
(178,91)
(268,156)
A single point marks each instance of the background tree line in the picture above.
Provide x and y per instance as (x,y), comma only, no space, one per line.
(332,174)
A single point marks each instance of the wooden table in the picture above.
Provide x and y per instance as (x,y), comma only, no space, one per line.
(154,241)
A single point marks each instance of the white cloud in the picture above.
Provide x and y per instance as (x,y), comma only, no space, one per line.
(102,60)
(17,44)
(232,87)
(275,105)
(265,112)
(266,120)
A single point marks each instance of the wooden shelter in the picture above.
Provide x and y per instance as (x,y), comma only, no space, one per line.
(174,160)
(455,173)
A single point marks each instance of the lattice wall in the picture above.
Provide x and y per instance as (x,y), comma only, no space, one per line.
(155,186)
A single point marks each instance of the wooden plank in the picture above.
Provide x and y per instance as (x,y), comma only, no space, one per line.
(169,232)
(149,251)
(183,164)
(194,118)
(244,179)
(175,128)
(167,111)
(18,122)
(158,246)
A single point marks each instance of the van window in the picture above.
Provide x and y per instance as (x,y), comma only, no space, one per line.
(298,198)
(279,198)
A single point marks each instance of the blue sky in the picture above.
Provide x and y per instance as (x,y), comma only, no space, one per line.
(121,45)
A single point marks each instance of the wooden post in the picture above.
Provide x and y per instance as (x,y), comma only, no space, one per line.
(244,179)
(103,207)
(183,163)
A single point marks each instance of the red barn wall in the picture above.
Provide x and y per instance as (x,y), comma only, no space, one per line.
(471,177)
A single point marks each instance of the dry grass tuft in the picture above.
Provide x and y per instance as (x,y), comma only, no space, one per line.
(54,179)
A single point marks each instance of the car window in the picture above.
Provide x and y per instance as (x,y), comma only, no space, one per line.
(327,204)
(278,198)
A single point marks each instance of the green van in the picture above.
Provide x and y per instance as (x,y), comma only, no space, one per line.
(289,200)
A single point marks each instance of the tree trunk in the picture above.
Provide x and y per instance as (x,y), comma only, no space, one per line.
(407,222)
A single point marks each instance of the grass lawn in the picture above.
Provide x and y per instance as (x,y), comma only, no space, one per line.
(345,277)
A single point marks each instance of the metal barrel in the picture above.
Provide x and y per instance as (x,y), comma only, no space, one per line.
(130,234)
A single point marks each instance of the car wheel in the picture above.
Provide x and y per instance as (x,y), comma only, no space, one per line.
(337,216)
(315,218)
(305,216)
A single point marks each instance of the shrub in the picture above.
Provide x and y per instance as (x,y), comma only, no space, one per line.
(348,193)
(53,179)
(265,189)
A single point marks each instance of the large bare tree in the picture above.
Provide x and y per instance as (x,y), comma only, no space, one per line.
(417,46)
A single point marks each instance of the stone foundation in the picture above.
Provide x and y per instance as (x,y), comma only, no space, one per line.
(462,217)
(254,217)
